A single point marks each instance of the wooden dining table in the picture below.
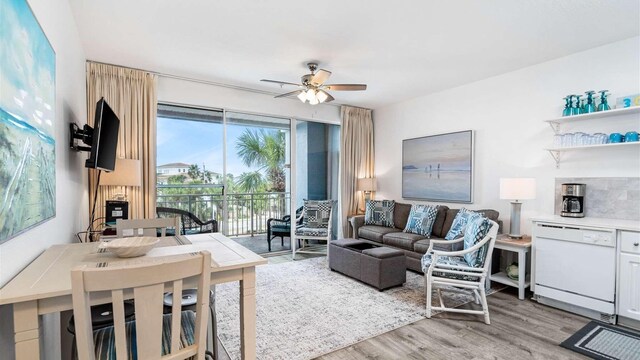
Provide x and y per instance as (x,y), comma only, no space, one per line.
(44,286)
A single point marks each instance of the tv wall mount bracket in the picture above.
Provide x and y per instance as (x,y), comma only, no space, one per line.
(76,133)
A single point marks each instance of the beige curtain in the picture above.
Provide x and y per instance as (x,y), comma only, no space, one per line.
(132,96)
(356,158)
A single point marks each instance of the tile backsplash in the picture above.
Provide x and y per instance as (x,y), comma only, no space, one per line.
(611,197)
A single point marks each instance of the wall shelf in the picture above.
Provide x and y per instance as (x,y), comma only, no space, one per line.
(555,152)
(555,123)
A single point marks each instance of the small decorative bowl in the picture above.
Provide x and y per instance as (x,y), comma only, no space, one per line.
(130,246)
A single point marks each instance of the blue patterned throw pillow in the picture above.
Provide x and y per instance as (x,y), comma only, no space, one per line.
(379,212)
(477,228)
(421,219)
(317,213)
(459,222)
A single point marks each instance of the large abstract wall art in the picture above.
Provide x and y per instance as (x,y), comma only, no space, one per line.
(27,121)
(438,167)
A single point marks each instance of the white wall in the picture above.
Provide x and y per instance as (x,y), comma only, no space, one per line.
(201,94)
(507,113)
(71,178)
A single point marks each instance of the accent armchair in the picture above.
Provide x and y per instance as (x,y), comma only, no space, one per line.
(190,224)
(318,216)
(281,227)
(452,269)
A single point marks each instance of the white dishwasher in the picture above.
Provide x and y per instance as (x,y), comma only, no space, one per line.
(575,269)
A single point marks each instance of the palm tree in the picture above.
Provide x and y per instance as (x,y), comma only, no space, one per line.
(194,172)
(251,182)
(265,150)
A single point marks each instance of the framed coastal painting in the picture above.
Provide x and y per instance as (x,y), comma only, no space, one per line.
(27,118)
(438,167)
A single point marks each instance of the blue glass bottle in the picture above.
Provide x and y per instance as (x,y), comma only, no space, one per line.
(603,106)
(567,106)
(590,105)
(576,110)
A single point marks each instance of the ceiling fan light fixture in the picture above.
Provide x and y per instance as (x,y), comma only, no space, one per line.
(311,95)
(322,96)
(313,87)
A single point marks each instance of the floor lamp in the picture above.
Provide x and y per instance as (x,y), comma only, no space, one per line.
(516,189)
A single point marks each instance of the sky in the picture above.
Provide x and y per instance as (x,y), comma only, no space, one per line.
(195,142)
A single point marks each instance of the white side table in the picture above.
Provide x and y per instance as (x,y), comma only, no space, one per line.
(521,247)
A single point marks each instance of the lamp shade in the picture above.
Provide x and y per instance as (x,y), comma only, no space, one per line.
(517,188)
(366,184)
(126,173)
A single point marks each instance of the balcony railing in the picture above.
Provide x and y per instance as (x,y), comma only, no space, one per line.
(247,212)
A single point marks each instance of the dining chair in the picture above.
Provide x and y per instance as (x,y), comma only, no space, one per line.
(459,269)
(152,335)
(149,227)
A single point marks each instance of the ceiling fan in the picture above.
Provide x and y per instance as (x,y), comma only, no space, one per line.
(312,87)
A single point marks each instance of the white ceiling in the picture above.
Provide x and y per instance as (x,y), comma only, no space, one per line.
(401,49)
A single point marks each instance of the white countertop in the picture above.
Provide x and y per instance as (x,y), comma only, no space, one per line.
(629,225)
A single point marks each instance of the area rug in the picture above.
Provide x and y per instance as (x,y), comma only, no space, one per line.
(304,310)
(598,340)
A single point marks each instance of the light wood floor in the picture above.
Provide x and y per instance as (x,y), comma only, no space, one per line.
(518,330)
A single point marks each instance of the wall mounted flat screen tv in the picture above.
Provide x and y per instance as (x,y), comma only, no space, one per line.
(105,138)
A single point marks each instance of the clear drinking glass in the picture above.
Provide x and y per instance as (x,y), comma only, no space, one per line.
(567,139)
(557,141)
(601,138)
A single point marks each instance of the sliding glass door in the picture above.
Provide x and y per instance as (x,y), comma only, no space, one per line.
(227,166)
(236,168)
(189,161)
(257,150)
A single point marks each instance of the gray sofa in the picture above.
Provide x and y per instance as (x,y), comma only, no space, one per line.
(413,245)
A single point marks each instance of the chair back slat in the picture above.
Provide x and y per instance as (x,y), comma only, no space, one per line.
(82,318)
(149,282)
(149,227)
(176,317)
(149,320)
(203,302)
(119,328)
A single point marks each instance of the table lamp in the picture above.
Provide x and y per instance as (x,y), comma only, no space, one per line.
(126,173)
(516,189)
(366,185)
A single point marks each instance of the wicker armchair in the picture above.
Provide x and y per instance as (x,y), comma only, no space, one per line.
(281,227)
(190,224)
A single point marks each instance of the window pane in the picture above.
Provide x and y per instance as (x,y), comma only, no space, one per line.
(189,160)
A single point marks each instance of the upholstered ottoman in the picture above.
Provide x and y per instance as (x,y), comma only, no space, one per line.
(378,266)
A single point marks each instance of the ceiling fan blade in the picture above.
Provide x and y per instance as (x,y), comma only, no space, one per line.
(320,77)
(289,94)
(281,83)
(329,97)
(346,87)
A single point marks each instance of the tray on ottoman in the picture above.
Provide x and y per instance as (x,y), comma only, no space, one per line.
(378,266)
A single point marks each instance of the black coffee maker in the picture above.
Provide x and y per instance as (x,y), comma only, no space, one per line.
(573,200)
